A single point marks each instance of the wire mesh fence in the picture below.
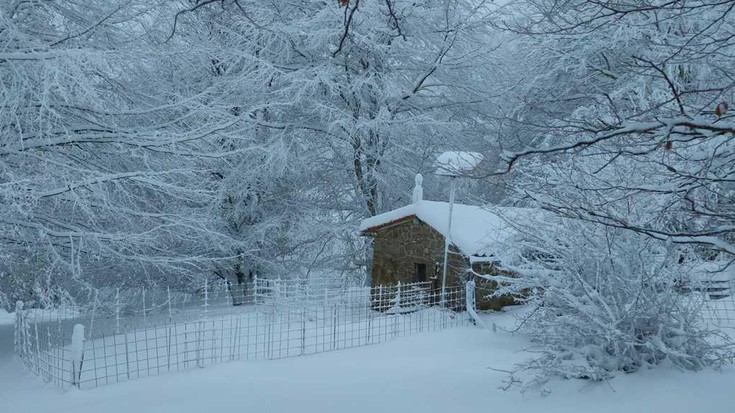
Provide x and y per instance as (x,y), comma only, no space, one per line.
(720,312)
(711,288)
(129,335)
(282,319)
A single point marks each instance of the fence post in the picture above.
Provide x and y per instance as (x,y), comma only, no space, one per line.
(23,328)
(38,350)
(277,293)
(198,344)
(145,323)
(303,331)
(18,336)
(117,311)
(127,357)
(369,315)
(380,299)
(168,347)
(170,315)
(255,288)
(51,354)
(335,328)
(77,354)
(94,311)
(470,303)
(206,295)
(399,298)
(470,296)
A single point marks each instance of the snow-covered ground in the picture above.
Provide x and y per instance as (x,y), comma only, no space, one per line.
(6,317)
(451,370)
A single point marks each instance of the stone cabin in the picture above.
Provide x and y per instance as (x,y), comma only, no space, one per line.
(408,246)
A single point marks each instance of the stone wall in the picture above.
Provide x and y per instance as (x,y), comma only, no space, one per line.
(485,288)
(399,248)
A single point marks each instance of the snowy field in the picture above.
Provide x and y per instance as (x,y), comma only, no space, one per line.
(447,371)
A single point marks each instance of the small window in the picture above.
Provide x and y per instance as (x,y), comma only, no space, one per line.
(420,272)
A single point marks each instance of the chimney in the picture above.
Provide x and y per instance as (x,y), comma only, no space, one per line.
(418,190)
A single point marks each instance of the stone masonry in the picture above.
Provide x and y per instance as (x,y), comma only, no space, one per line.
(401,247)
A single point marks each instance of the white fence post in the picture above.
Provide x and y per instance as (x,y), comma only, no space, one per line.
(303,331)
(198,343)
(127,356)
(398,298)
(206,295)
(335,320)
(94,311)
(24,348)
(39,358)
(77,354)
(168,294)
(51,352)
(470,296)
(380,298)
(145,323)
(117,311)
(278,295)
(17,342)
(470,302)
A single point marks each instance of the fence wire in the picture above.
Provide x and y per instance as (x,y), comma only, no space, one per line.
(136,334)
(711,288)
(279,319)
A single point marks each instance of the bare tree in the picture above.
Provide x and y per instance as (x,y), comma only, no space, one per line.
(628,117)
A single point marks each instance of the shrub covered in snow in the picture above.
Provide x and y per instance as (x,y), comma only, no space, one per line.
(606,302)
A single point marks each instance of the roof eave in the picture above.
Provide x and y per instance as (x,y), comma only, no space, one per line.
(399,221)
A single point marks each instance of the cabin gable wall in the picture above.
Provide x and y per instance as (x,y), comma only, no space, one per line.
(400,249)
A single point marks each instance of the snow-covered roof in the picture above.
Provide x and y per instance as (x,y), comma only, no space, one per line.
(477,232)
